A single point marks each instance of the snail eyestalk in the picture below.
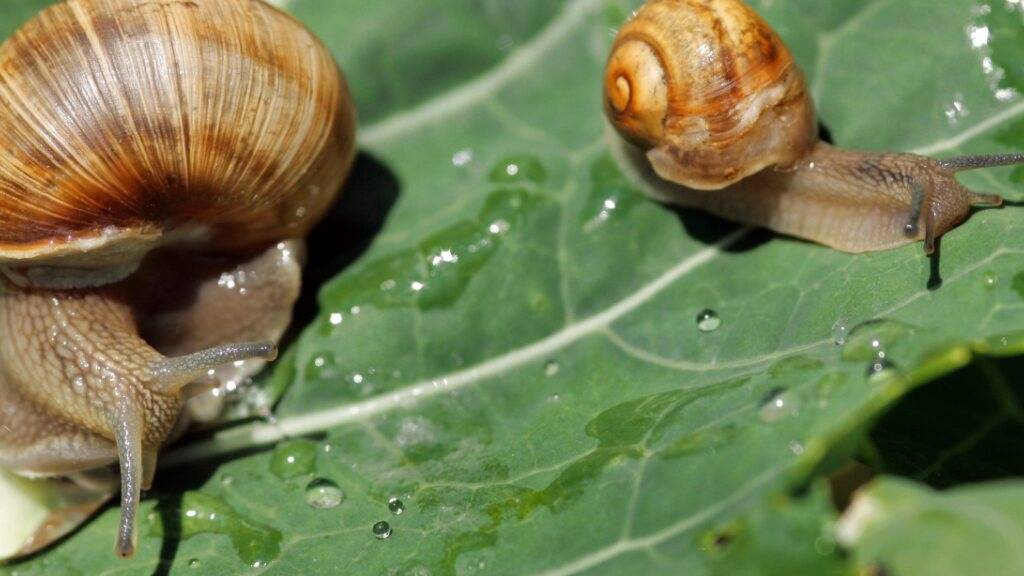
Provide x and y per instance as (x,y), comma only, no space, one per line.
(176,373)
(974,162)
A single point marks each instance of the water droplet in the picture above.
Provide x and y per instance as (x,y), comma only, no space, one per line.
(879,366)
(293,458)
(462,158)
(840,330)
(957,110)
(551,368)
(382,530)
(396,506)
(708,321)
(324,494)
(608,206)
(866,341)
(336,318)
(519,168)
(200,513)
(416,431)
(796,448)
(990,280)
(777,405)
(499,226)
(438,270)
(195,563)
(979,35)
(227,480)
(555,398)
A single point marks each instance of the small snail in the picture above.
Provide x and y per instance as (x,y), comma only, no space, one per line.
(161,162)
(708,91)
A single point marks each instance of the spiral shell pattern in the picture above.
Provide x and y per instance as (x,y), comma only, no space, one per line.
(709,90)
(129,124)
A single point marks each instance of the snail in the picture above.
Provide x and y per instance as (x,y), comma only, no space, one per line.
(161,162)
(709,93)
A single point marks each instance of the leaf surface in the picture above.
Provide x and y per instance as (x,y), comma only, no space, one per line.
(905,528)
(517,357)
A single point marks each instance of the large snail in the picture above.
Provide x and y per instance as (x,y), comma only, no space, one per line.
(161,162)
(708,91)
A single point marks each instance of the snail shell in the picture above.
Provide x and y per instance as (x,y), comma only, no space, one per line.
(709,86)
(130,125)
(707,92)
(162,162)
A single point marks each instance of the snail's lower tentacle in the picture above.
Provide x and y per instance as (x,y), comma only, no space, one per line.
(986,200)
(929,232)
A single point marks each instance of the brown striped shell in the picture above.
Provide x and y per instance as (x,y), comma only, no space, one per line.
(133,124)
(709,91)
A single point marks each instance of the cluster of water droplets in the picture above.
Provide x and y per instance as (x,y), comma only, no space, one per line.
(981,35)
(296,459)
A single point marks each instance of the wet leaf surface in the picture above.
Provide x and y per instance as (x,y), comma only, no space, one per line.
(512,340)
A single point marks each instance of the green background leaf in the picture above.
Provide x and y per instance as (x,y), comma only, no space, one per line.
(904,528)
(516,356)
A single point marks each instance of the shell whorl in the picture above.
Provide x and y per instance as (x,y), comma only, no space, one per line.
(128,124)
(709,91)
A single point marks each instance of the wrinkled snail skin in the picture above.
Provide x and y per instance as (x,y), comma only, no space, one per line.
(710,96)
(160,164)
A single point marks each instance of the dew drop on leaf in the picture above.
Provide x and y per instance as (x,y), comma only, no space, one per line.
(462,158)
(777,405)
(200,513)
(839,331)
(990,280)
(708,321)
(396,506)
(873,339)
(293,458)
(551,368)
(879,366)
(519,168)
(382,530)
(324,494)
(195,563)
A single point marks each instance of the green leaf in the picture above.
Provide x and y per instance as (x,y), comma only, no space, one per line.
(783,536)
(517,357)
(904,528)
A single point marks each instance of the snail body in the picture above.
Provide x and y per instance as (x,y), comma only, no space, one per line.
(711,97)
(162,163)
